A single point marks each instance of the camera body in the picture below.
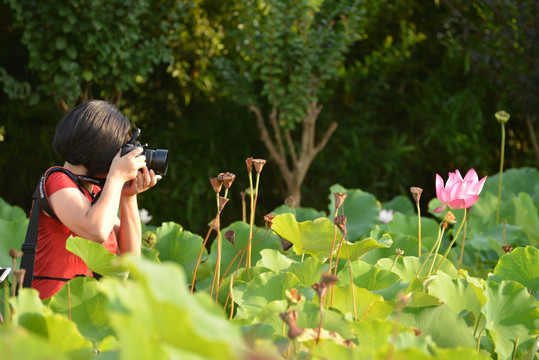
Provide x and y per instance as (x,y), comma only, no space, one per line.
(157,160)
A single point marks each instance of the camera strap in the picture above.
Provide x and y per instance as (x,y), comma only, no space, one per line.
(40,200)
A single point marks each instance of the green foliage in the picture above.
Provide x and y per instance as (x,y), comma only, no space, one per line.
(76,48)
(283,53)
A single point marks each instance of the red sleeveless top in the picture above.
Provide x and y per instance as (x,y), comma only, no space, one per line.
(52,258)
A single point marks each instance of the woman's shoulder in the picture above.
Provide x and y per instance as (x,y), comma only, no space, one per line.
(59,180)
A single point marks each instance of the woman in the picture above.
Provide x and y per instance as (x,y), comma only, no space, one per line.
(89,139)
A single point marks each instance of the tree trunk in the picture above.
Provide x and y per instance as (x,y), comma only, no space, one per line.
(292,164)
(533,138)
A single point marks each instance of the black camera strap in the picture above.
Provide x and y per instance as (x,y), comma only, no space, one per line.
(40,201)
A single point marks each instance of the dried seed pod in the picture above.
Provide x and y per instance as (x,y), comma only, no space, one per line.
(339,199)
(259,164)
(222,202)
(507,248)
(285,243)
(450,217)
(14,254)
(216,184)
(328,279)
(290,317)
(227,178)
(150,238)
(230,235)
(416,193)
(340,221)
(268,219)
(249,163)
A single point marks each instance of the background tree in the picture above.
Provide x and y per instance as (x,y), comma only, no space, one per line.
(280,56)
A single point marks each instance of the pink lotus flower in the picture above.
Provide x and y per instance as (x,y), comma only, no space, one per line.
(458,193)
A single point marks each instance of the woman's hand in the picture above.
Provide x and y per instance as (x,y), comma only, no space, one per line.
(126,168)
(144,180)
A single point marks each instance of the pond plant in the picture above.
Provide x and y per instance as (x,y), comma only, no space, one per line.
(301,283)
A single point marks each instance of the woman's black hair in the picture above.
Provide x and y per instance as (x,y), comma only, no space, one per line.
(91,134)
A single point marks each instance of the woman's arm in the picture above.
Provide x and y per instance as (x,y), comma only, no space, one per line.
(96,222)
(129,230)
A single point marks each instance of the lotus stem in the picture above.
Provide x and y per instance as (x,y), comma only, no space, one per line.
(251,222)
(463,241)
(439,239)
(454,239)
(501,173)
(418,229)
(352,284)
(336,265)
(200,255)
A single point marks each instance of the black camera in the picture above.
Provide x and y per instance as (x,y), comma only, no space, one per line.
(157,160)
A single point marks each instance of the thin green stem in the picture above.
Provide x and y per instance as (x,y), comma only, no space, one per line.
(251,222)
(454,239)
(439,239)
(434,259)
(501,173)
(419,228)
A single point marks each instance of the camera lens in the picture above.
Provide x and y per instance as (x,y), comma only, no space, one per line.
(157,160)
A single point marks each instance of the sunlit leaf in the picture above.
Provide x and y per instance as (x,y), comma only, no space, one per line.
(95,256)
(511,313)
(521,265)
(85,305)
(180,246)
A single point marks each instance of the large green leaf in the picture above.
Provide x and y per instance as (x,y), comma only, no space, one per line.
(154,315)
(511,313)
(314,238)
(457,293)
(408,266)
(521,265)
(180,246)
(408,225)
(308,271)
(30,313)
(274,260)
(266,288)
(526,216)
(301,213)
(367,276)
(86,306)
(18,343)
(345,301)
(95,256)
(12,233)
(445,327)
(357,250)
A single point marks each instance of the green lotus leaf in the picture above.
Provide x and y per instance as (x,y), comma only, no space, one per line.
(308,271)
(18,343)
(526,216)
(361,210)
(265,288)
(273,260)
(367,276)
(314,238)
(401,204)
(180,246)
(447,329)
(359,249)
(85,305)
(457,293)
(95,256)
(156,305)
(344,299)
(13,233)
(408,266)
(511,313)
(521,265)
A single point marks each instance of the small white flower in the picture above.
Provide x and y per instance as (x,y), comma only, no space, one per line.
(145,216)
(386,216)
